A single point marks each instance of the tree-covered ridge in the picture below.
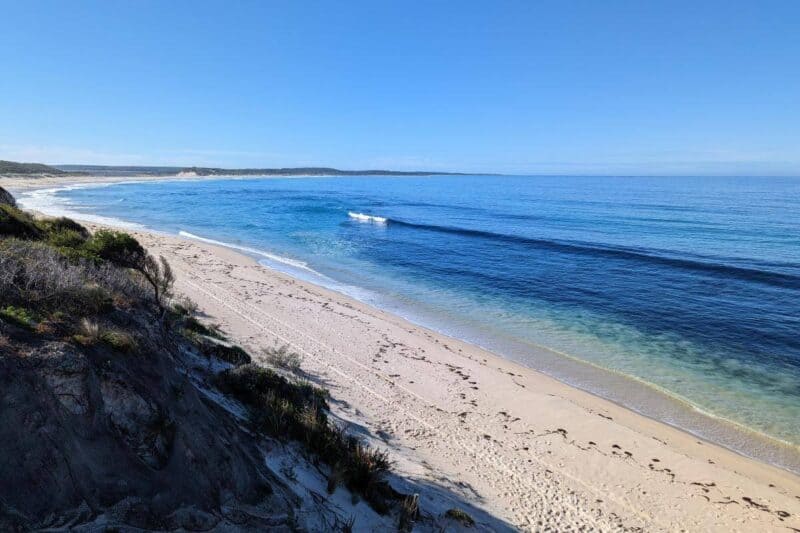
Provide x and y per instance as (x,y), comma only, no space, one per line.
(12,167)
(111,170)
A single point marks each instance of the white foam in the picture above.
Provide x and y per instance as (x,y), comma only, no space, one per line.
(50,203)
(293,267)
(361,217)
(277,258)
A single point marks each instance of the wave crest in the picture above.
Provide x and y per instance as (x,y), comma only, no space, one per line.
(361,217)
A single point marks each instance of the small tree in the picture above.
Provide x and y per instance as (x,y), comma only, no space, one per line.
(123,250)
(160,276)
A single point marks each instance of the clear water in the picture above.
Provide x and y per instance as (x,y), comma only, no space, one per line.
(691,285)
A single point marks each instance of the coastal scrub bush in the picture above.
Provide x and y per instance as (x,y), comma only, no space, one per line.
(282,357)
(230,353)
(119,340)
(125,251)
(117,247)
(36,275)
(65,238)
(297,411)
(184,307)
(16,223)
(18,316)
(193,325)
(6,197)
(55,225)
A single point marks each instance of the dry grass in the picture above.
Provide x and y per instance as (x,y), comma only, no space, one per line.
(409,512)
(282,357)
(460,516)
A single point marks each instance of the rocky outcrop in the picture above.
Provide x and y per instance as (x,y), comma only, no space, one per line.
(6,198)
(93,439)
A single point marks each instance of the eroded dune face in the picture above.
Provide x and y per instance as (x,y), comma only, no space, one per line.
(89,434)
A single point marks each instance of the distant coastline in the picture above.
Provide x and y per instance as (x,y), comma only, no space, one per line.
(15,169)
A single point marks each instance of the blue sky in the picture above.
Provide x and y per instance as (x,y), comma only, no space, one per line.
(524,87)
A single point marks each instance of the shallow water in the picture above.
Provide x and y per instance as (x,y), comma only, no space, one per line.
(691,285)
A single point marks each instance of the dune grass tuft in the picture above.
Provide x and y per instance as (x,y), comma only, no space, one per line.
(283,357)
(460,516)
(297,411)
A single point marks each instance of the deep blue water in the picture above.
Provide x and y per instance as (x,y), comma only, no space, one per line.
(689,284)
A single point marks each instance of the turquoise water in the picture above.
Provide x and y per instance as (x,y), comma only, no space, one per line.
(690,285)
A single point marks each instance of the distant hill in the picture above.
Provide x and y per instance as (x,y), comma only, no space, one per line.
(12,167)
(105,170)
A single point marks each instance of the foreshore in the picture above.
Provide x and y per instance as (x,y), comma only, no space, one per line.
(26,183)
(521,445)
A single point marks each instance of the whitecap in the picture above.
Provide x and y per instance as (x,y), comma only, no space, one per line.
(361,217)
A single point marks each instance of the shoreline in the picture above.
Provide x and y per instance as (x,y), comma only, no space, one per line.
(652,401)
(206,272)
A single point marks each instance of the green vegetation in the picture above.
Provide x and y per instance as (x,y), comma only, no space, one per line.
(11,167)
(282,357)
(19,316)
(55,269)
(297,410)
(116,247)
(460,516)
(15,223)
(118,340)
(193,325)
(222,350)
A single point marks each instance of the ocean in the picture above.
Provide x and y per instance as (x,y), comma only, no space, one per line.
(678,297)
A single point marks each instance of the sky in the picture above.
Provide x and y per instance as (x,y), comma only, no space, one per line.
(531,87)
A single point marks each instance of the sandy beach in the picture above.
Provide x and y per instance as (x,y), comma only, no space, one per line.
(527,449)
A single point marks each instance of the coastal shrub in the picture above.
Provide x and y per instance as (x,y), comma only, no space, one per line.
(184,307)
(54,225)
(119,340)
(195,326)
(88,332)
(38,276)
(283,357)
(460,516)
(125,251)
(16,223)
(117,247)
(160,276)
(6,197)
(18,316)
(54,264)
(298,411)
(66,238)
(223,351)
